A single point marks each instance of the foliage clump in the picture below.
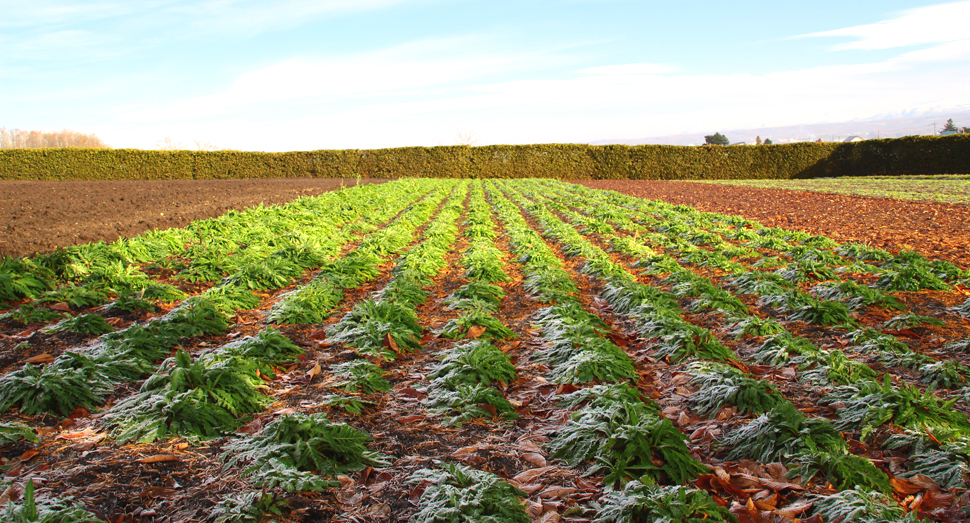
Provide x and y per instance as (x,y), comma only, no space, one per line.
(625,436)
(648,503)
(297,451)
(456,494)
(198,399)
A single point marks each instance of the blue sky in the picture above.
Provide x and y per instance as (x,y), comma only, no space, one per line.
(323,74)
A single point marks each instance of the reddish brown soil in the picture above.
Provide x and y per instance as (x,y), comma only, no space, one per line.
(934,229)
(38,217)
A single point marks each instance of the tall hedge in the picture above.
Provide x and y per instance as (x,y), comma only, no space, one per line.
(900,156)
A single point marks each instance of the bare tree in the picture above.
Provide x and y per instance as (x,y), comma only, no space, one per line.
(168,143)
(466,138)
(18,138)
(204,145)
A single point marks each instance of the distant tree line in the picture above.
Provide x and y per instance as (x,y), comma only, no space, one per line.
(21,139)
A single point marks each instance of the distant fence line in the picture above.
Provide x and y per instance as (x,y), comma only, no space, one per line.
(898,156)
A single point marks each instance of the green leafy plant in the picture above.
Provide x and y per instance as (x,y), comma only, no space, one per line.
(823,312)
(91,324)
(351,404)
(463,403)
(945,374)
(869,405)
(648,447)
(749,395)
(855,296)
(963,309)
(198,399)
(77,296)
(841,470)
(360,376)
(270,273)
(295,443)
(21,278)
(863,252)
(721,301)
(624,435)
(911,321)
(859,505)
(912,277)
(458,327)
(14,432)
(249,507)
(781,434)
(872,340)
(30,313)
(599,360)
(692,342)
(833,367)
(647,503)
(52,388)
(486,295)
(130,303)
(756,326)
(310,304)
(406,288)
(196,317)
(366,326)
(779,349)
(456,494)
(228,298)
(472,363)
(46,509)
(267,348)
(803,271)
(625,297)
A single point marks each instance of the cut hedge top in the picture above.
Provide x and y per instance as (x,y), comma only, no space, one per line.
(898,156)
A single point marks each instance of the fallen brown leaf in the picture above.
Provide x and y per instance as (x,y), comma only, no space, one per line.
(474,332)
(313,372)
(534,458)
(158,458)
(40,358)
(531,475)
(390,343)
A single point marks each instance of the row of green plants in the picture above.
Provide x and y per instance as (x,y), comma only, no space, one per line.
(613,429)
(301,452)
(387,323)
(462,384)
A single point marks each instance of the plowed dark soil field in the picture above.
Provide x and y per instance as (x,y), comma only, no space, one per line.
(38,217)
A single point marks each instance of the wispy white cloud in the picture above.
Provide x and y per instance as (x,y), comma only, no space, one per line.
(934,24)
(258,15)
(627,69)
(47,13)
(63,45)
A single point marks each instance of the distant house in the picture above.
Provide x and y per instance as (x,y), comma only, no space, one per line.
(947,133)
(853,139)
